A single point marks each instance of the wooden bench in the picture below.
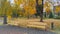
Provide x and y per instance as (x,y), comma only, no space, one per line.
(29,24)
(37,25)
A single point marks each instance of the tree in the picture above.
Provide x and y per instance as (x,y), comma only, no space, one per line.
(47,7)
(57,9)
(52,5)
(39,9)
(5,6)
(51,15)
(19,7)
(15,12)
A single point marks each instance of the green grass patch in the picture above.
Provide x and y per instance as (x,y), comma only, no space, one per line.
(1,23)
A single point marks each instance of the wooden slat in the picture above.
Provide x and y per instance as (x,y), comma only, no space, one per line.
(37,23)
(34,26)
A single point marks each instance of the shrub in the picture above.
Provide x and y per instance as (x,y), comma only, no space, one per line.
(58,17)
(14,14)
(51,15)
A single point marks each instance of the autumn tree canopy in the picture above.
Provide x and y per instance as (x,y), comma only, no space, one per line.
(23,7)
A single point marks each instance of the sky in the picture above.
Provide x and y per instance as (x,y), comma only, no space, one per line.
(12,1)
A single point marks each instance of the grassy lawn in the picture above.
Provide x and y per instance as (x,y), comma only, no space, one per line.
(1,23)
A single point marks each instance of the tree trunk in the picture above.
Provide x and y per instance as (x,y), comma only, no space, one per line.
(42,12)
(39,9)
(5,19)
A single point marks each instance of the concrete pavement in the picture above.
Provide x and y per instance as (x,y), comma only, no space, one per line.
(8,29)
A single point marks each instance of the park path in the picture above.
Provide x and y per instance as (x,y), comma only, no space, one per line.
(8,29)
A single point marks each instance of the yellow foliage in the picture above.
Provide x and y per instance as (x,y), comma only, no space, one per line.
(26,8)
(47,6)
(48,10)
(32,11)
(18,2)
(40,1)
(30,7)
(57,9)
(9,17)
